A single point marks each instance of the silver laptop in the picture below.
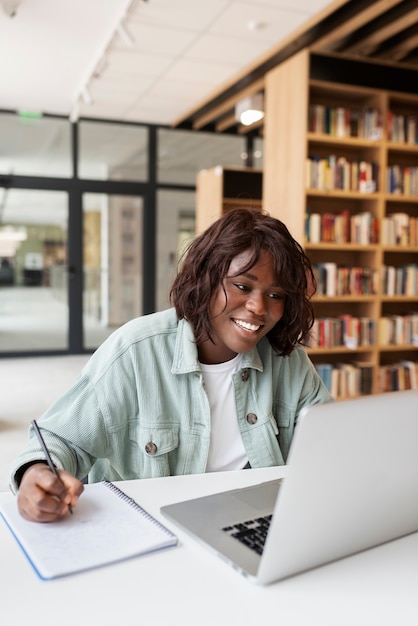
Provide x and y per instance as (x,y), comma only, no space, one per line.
(351,484)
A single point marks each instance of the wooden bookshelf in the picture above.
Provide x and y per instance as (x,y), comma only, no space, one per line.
(222,188)
(291,193)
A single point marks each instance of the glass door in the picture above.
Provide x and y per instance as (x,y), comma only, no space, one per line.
(112,262)
(33,270)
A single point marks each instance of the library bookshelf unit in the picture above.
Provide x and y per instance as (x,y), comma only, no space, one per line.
(221,188)
(341,170)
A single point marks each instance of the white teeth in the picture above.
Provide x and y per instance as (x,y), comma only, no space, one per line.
(246,325)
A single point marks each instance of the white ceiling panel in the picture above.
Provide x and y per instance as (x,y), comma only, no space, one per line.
(56,48)
(197,71)
(195,15)
(264,24)
(160,40)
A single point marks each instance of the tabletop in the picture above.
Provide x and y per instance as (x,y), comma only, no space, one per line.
(188,585)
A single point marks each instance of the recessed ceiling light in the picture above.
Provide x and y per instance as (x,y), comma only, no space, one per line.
(255,25)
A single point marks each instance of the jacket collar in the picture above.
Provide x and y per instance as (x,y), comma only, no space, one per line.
(186,360)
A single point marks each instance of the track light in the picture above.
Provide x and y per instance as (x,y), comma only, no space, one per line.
(125,36)
(85,94)
(75,112)
(250,110)
(10,7)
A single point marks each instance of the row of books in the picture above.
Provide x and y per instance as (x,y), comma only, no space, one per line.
(338,173)
(400,281)
(399,229)
(402,128)
(343,330)
(402,180)
(366,123)
(335,280)
(361,228)
(354,332)
(341,121)
(399,376)
(346,380)
(398,330)
(342,280)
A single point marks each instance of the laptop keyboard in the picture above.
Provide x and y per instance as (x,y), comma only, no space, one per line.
(251,533)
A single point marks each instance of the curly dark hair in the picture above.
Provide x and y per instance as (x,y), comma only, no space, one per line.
(206,262)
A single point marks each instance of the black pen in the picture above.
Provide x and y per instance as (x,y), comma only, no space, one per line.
(48,456)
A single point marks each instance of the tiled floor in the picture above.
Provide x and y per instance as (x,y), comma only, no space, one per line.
(27,387)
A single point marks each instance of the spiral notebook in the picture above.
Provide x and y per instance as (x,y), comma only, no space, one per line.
(107,526)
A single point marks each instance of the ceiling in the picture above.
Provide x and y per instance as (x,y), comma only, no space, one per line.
(179,62)
(182,63)
(70,56)
(383,32)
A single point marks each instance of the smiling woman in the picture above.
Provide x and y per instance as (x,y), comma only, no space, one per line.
(250,252)
(215,383)
(245,307)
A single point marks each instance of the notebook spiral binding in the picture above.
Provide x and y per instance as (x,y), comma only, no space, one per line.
(124,496)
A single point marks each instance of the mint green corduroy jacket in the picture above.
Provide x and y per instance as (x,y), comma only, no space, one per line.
(139,407)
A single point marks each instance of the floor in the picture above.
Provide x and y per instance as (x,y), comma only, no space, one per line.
(36,318)
(27,387)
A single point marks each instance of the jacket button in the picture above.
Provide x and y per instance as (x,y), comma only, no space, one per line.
(245,375)
(252,418)
(150,448)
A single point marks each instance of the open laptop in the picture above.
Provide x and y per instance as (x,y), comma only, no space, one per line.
(351,484)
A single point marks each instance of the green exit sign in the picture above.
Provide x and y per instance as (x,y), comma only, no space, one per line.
(30,115)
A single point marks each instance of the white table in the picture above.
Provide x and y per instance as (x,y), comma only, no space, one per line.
(187,585)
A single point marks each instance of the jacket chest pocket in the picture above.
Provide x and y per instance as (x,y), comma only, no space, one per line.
(155,448)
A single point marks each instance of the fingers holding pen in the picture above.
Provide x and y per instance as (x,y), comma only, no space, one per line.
(43,497)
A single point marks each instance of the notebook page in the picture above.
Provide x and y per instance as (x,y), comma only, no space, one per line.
(103,529)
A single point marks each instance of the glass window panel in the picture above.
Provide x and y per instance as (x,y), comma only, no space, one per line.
(112,261)
(175,229)
(113,151)
(33,271)
(182,154)
(35,146)
(258,157)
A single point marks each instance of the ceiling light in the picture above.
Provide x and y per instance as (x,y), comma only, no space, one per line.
(250,110)
(85,94)
(75,112)
(125,36)
(10,7)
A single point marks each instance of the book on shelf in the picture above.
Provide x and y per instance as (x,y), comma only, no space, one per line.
(402,180)
(335,280)
(338,173)
(342,331)
(401,329)
(360,228)
(402,128)
(399,376)
(399,229)
(106,526)
(347,380)
(342,122)
(365,377)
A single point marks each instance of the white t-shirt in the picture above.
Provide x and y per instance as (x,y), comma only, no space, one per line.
(226,450)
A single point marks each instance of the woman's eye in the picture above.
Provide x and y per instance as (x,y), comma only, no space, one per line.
(242,287)
(277,296)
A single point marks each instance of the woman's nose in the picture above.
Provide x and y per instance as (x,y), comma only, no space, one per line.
(256,304)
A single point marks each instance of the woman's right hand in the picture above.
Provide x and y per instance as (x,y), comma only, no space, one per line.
(42,497)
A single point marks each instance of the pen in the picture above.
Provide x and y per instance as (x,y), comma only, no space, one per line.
(48,456)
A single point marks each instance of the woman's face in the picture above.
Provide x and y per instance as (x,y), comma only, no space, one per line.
(249,307)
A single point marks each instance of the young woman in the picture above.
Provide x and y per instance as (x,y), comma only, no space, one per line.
(214,383)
